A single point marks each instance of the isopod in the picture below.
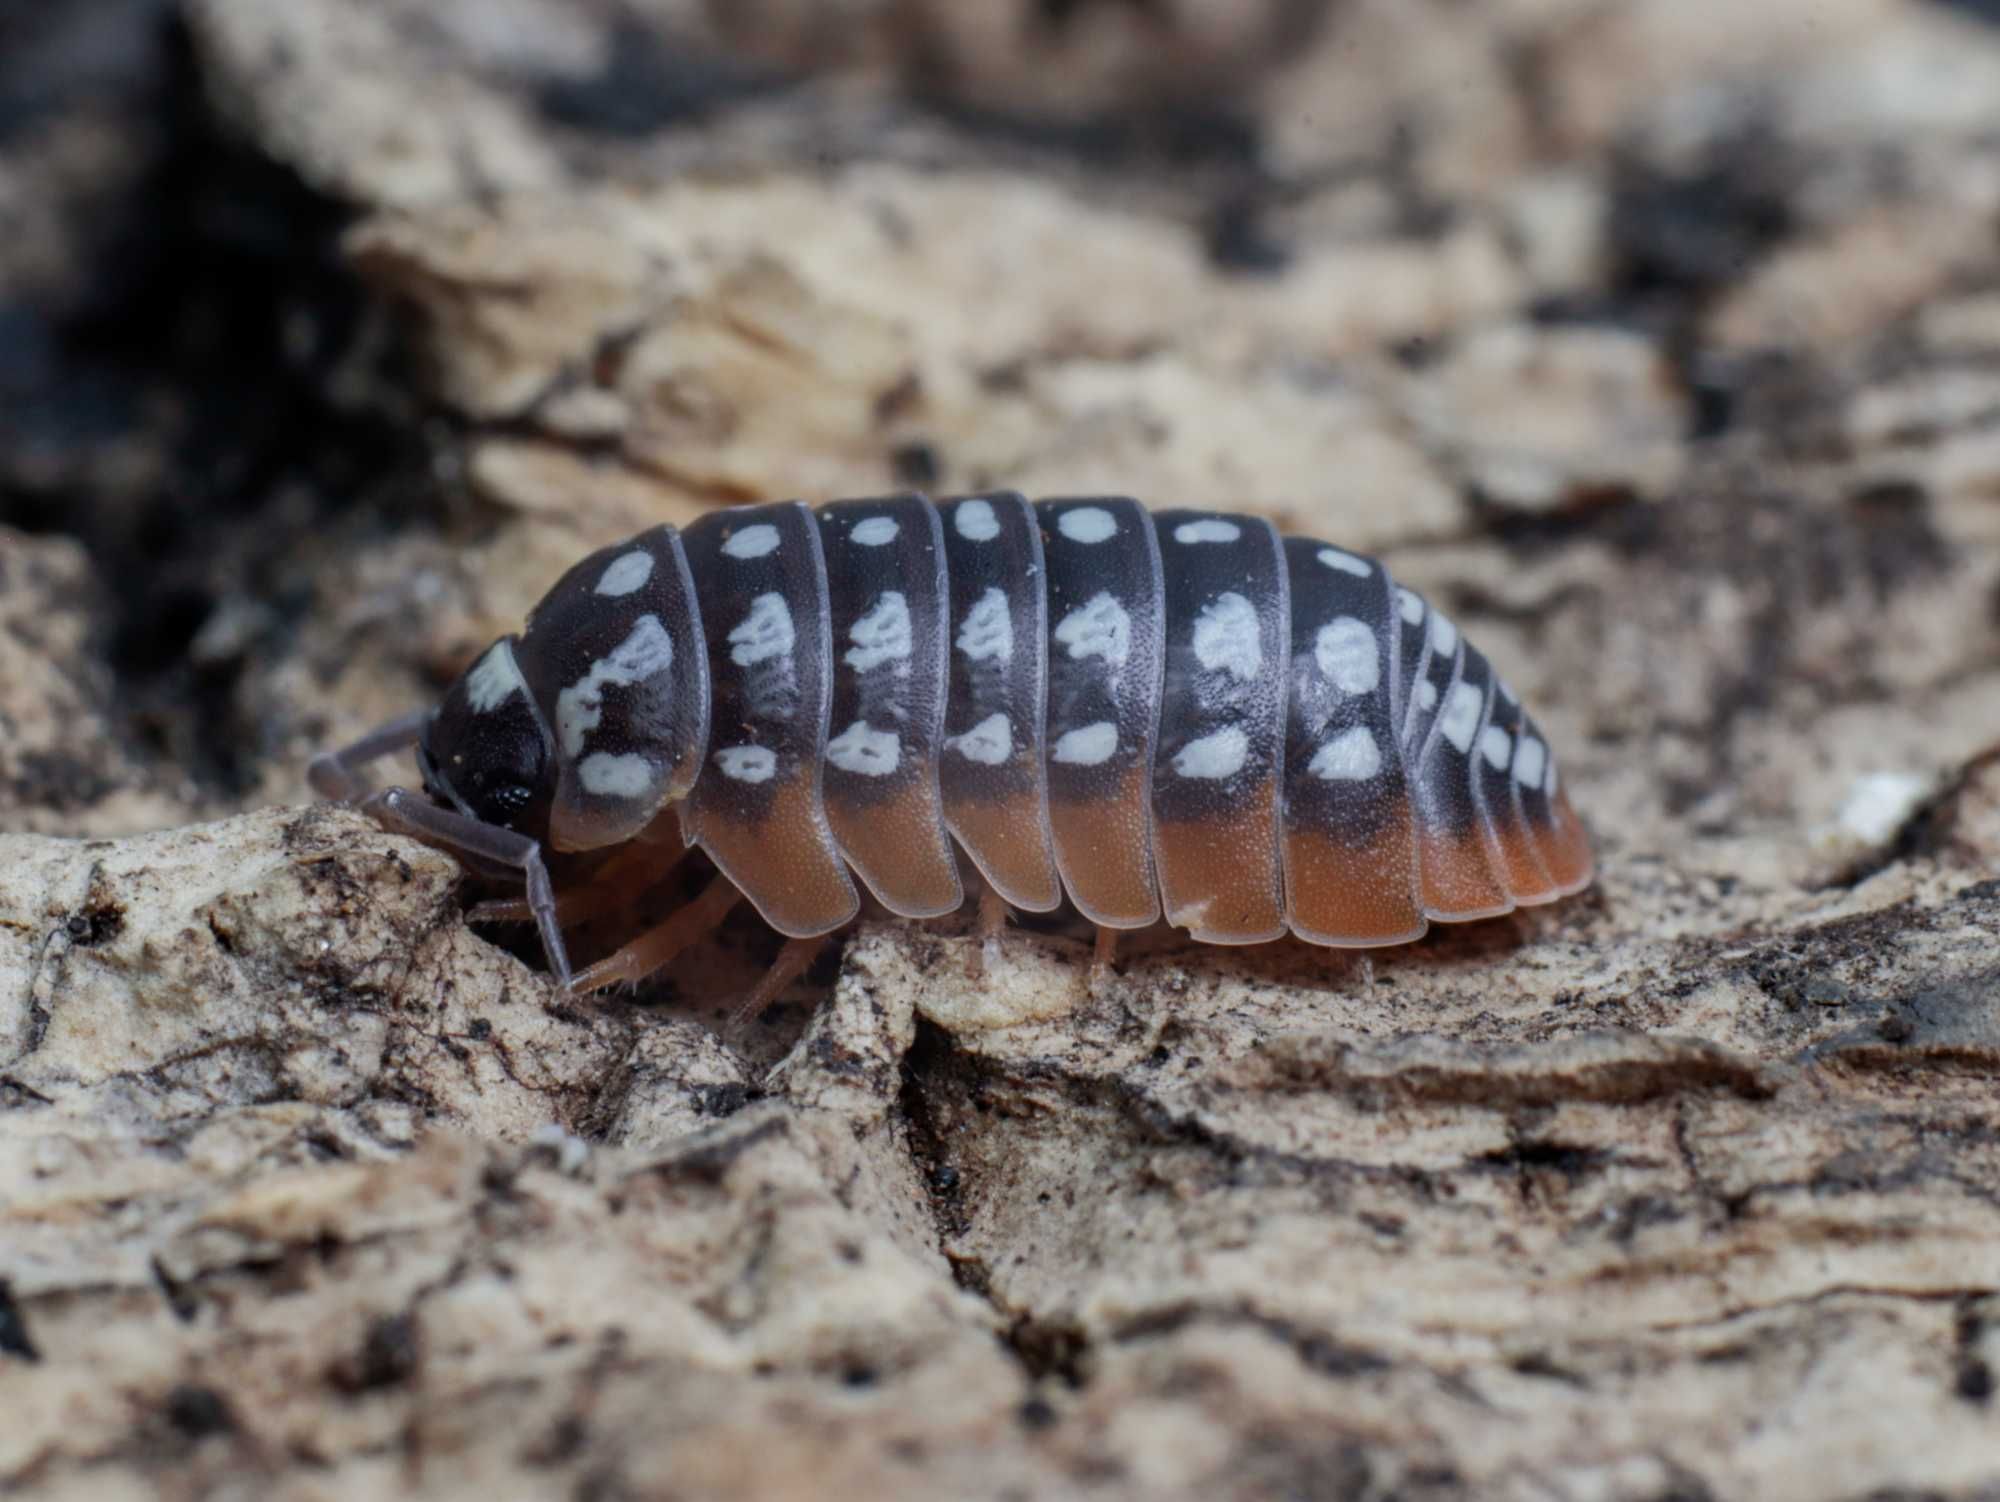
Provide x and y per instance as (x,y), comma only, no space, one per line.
(1175,712)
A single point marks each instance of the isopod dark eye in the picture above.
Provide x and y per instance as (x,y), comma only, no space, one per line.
(498,795)
(505,802)
(486,750)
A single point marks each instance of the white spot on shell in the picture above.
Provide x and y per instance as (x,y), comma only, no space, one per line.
(1411,604)
(1427,696)
(646,652)
(627,775)
(1208,529)
(1461,715)
(1351,756)
(1497,746)
(1529,760)
(752,542)
(882,635)
(494,679)
(989,743)
(1097,628)
(1347,655)
(1225,637)
(1215,756)
(1088,745)
(864,751)
(764,633)
(628,571)
(1444,635)
(747,763)
(975,521)
(1347,563)
(988,631)
(875,531)
(1087,524)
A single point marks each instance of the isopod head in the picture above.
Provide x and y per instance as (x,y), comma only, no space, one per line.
(487,751)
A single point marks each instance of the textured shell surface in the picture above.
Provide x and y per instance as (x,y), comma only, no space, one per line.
(1146,713)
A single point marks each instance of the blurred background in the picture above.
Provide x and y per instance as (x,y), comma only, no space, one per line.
(1660,340)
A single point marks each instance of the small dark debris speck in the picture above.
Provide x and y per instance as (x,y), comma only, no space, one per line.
(1335,1359)
(1239,240)
(1569,1160)
(1050,1349)
(1975,1381)
(94,925)
(1037,1413)
(198,1411)
(1415,352)
(563,1442)
(720,1100)
(388,1355)
(1895,1028)
(1541,1364)
(14,1339)
(916,464)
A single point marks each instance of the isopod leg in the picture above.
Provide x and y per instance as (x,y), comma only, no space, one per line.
(577,905)
(626,877)
(1102,952)
(792,962)
(993,912)
(483,846)
(657,947)
(336,774)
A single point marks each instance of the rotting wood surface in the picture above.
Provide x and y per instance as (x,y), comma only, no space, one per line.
(1659,343)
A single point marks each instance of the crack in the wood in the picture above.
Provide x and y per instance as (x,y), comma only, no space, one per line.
(1318,1351)
(1042,1347)
(39,1016)
(1925,826)
(176,1295)
(707,1156)
(1818,1296)
(14,1338)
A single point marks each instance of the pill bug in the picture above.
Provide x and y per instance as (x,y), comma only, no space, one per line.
(1150,713)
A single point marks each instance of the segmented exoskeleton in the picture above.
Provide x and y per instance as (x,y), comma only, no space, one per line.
(1147,712)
